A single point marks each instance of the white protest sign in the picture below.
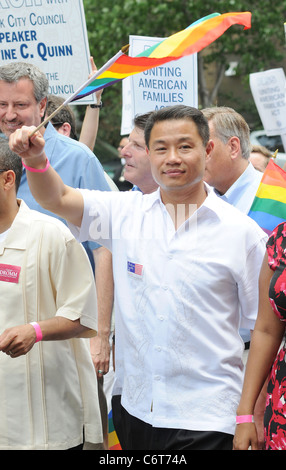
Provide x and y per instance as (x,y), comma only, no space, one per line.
(268,90)
(173,83)
(50,34)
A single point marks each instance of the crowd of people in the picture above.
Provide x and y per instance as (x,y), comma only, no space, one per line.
(173,261)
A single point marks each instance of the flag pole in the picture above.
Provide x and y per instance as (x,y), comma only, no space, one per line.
(122,51)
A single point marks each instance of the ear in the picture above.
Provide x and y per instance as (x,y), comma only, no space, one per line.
(9,180)
(43,105)
(209,147)
(65,129)
(234,144)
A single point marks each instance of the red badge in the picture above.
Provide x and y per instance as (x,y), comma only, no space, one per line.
(9,273)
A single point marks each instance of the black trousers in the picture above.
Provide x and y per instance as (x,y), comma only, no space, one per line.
(134,434)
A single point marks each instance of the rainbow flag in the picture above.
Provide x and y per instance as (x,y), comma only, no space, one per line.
(188,41)
(113,442)
(269,205)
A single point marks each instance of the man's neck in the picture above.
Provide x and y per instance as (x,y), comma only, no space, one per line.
(233,177)
(7,216)
(182,204)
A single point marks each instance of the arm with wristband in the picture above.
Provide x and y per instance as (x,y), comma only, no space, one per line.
(19,340)
(265,341)
(45,184)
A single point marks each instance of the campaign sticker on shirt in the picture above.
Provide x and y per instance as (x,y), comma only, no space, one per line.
(135,269)
(9,273)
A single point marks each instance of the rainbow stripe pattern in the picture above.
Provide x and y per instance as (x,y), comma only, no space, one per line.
(113,442)
(269,205)
(198,35)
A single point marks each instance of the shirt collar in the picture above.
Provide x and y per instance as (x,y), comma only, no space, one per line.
(49,131)
(150,199)
(18,235)
(249,176)
(210,203)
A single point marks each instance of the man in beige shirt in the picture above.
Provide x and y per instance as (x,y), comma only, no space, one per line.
(48,391)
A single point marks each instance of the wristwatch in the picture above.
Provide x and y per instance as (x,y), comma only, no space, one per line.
(100,105)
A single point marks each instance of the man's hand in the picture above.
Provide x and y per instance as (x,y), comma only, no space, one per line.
(100,353)
(29,148)
(245,437)
(18,340)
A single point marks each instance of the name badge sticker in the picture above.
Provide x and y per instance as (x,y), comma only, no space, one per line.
(135,269)
(9,273)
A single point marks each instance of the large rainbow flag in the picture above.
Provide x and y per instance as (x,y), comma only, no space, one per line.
(269,205)
(188,41)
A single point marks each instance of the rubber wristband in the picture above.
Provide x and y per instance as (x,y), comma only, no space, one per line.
(244,419)
(39,334)
(37,170)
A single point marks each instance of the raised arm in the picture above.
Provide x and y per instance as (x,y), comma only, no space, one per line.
(45,184)
(91,119)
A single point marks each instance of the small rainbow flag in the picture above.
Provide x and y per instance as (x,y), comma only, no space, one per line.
(113,442)
(269,205)
(188,41)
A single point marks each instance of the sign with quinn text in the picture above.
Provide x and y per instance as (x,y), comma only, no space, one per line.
(50,34)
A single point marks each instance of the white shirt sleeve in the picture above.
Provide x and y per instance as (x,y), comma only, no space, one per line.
(96,221)
(248,287)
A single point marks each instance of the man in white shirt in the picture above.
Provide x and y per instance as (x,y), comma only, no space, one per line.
(186,267)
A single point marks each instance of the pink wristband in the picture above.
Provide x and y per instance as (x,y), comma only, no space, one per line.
(244,419)
(37,170)
(39,334)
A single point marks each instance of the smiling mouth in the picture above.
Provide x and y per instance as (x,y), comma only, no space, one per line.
(174,172)
(12,125)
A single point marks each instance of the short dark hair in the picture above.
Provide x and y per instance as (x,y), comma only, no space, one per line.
(65,114)
(178,112)
(261,149)
(141,119)
(10,161)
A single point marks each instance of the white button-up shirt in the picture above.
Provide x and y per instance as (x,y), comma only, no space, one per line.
(241,195)
(178,295)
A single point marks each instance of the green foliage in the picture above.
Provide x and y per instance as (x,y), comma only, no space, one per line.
(110,22)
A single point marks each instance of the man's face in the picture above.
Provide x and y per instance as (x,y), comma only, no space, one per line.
(137,167)
(18,106)
(218,161)
(177,154)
